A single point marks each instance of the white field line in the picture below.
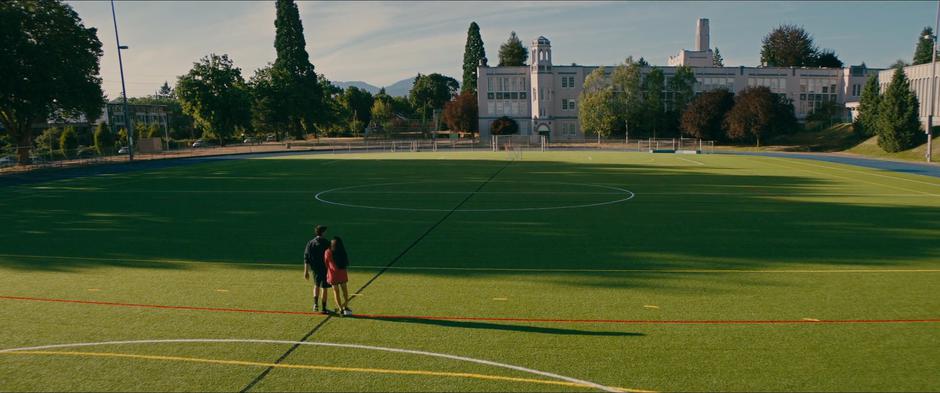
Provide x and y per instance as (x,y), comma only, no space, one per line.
(692,161)
(800,162)
(872,173)
(335,345)
(843,177)
(487,269)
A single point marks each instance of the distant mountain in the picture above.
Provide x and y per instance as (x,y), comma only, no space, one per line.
(360,84)
(400,88)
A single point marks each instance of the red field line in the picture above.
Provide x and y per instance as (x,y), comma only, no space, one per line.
(440,318)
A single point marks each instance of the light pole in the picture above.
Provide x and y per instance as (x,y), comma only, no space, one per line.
(933,88)
(127,120)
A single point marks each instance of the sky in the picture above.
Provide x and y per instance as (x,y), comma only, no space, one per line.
(384,42)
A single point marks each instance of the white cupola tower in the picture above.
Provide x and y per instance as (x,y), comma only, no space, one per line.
(541,54)
(542,79)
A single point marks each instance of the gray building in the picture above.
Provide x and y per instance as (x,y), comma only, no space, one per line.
(543,97)
(919,78)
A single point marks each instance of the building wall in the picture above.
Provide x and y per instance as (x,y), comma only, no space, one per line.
(552,99)
(919,78)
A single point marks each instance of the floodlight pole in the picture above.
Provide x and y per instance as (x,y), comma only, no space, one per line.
(933,89)
(127,120)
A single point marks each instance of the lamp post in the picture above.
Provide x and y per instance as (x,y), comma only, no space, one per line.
(127,120)
(933,88)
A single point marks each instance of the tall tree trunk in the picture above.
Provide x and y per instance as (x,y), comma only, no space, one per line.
(23,144)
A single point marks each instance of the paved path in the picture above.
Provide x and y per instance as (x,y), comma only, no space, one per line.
(893,166)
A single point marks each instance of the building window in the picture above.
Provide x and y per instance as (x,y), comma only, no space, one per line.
(522,95)
(490,95)
(564,82)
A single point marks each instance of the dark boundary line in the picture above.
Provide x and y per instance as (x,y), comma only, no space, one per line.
(376,276)
(495,319)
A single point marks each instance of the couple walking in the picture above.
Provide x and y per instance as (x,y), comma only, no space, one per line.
(328,260)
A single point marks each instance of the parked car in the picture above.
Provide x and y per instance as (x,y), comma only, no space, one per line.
(271,138)
(252,140)
(7,161)
(124,150)
(200,143)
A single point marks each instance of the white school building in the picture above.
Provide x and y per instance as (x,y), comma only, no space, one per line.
(542,97)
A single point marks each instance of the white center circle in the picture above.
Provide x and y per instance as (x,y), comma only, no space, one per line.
(618,195)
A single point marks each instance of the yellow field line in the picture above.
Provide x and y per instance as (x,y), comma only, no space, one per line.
(312,367)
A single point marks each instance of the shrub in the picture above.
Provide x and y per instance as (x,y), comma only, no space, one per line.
(104,139)
(68,142)
(504,126)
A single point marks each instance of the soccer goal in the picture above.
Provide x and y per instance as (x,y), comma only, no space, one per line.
(518,143)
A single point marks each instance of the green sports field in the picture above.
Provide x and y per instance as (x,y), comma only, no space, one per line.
(553,271)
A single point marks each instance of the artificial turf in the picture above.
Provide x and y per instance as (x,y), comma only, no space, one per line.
(738,242)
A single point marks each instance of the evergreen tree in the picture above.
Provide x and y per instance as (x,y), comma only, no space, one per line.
(868,105)
(473,53)
(104,139)
(718,61)
(922,53)
(898,124)
(68,142)
(512,53)
(297,87)
(165,92)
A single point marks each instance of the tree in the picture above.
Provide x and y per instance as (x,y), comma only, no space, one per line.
(296,84)
(868,105)
(104,139)
(165,91)
(682,85)
(704,117)
(599,108)
(824,115)
(898,124)
(50,64)
(653,86)
(473,53)
(787,46)
(717,60)
(48,140)
(629,101)
(899,64)
(504,126)
(214,93)
(826,58)
(461,113)
(266,111)
(758,113)
(512,53)
(382,113)
(922,53)
(358,103)
(431,92)
(68,142)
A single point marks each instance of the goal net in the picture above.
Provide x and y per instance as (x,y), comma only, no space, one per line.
(518,143)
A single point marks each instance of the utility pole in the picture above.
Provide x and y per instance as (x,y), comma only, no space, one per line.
(933,88)
(127,115)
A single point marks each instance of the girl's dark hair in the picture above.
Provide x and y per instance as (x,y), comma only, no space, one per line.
(339,253)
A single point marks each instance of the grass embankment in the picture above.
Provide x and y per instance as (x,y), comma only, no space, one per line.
(840,138)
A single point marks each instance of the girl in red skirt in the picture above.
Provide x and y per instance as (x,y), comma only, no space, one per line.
(336,263)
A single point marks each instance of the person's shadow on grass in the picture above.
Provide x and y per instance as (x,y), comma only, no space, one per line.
(496,326)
